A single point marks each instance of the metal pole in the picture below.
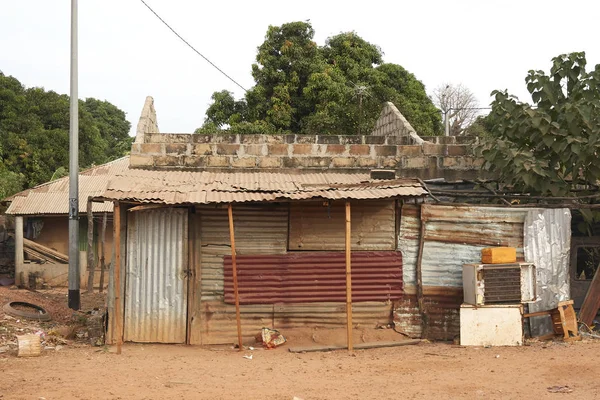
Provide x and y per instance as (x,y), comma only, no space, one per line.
(74,277)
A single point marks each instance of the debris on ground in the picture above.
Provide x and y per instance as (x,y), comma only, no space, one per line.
(560,389)
(270,338)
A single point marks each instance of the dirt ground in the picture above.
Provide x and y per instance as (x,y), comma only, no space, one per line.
(423,371)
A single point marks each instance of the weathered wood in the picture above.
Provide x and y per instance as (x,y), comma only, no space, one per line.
(46,251)
(102,243)
(19,247)
(419,278)
(360,346)
(235,278)
(349,275)
(90,246)
(29,346)
(591,303)
(537,314)
(118,324)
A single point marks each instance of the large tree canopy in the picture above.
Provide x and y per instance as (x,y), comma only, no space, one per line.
(551,146)
(34,134)
(338,88)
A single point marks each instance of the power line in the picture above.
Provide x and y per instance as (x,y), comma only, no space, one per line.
(192,47)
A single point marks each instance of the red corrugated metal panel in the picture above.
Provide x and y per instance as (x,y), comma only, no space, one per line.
(315,277)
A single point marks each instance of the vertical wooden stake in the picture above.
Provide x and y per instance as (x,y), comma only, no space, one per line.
(102,260)
(235,278)
(118,323)
(419,278)
(90,246)
(349,277)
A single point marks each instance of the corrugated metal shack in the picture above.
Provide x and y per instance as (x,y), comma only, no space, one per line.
(289,232)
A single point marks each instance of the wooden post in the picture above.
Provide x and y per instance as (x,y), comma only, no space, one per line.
(420,302)
(349,277)
(19,275)
(102,260)
(90,246)
(235,279)
(118,323)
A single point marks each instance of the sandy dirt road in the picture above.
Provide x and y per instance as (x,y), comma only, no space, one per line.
(424,371)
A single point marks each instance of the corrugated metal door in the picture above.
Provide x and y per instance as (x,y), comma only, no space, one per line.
(156,281)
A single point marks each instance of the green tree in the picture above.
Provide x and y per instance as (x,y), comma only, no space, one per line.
(34,133)
(338,88)
(551,145)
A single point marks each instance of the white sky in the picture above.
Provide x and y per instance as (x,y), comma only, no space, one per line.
(126,53)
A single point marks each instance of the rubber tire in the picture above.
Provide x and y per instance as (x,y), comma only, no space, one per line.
(43,316)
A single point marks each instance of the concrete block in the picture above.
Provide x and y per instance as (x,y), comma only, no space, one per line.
(225,138)
(306,139)
(151,148)
(277,149)
(289,139)
(386,151)
(290,162)
(410,150)
(328,139)
(136,148)
(168,161)
(393,163)
(226,149)
(344,162)
(450,162)
(203,149)
(176,148)
(254,149)
(396,140)
(457,150)
(415,162)
(314,162)
(201,138)
(360,149)
(366,162)
(217,161)
(244,162)
(170,138)
(274,139)
(374,139)
(270,162)
(252,139)
(336,149)
(138,160)
(351,139)
(194,161)
(302,149)
(433,149)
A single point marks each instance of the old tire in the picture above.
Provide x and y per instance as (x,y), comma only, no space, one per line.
(39,315)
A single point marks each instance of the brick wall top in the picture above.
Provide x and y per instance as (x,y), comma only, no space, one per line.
(449,157)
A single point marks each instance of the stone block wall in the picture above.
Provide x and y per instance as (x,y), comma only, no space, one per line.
(448,157)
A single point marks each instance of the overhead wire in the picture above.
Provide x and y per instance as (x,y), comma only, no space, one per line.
(192,47)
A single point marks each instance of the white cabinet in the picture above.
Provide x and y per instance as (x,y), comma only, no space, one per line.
(497,325)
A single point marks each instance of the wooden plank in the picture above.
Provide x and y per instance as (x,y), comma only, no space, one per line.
(90,246)
(361,346)
(117,276)
(102,243)
(591,303)
(235,278)
(419,277)
(349,276)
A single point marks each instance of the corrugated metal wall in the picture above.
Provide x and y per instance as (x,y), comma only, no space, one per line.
(314,226)
(315,277)
(156,277)
(258,230)
(454,236)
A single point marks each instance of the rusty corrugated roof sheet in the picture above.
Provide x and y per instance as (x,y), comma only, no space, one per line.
(203,187)
(53,197)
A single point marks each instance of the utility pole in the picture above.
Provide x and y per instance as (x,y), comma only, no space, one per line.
(74,277)
(447,123)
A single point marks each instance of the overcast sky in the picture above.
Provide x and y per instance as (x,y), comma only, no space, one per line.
(125,53)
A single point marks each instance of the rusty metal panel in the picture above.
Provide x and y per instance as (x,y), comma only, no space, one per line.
(53,197)
(218,324)
(442,305)
(156,277)
(304,277)
(203,187)
(315,226)
(260,229)
(454,236)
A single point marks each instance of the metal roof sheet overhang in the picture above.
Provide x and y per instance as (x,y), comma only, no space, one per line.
(204,187)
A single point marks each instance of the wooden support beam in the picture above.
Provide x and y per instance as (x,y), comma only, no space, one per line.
(349,276)
(591,302)
(102,259)
(118,323)
(236,294)
(360,346)
(19,256)
(419,278)
(90,246)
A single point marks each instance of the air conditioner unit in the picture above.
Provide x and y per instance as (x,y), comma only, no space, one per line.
(499,283)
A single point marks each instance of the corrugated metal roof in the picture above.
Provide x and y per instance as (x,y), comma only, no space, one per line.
(53,197)
(203,187)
